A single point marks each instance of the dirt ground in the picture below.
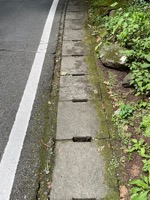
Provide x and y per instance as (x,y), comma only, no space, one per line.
(132,167)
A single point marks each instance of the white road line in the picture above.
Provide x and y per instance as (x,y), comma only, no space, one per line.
(11,156)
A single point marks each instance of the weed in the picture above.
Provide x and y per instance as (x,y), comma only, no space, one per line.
(113,165)
(130,28)
(145,125)
(141,188)
(140,147)
(125,111)
(146,166)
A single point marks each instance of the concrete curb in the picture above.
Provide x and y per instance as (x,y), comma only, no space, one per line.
(79,171)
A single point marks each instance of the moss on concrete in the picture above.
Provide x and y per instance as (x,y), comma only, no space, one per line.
(46,152)
(103,105)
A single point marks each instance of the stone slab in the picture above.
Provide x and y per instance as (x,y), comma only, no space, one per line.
(73,35)
(74,24)
(74,88)
(76,119)
(75,7)
(74,94)
(76,15)
(74,65)
(75,2)
(78,172)
(73,48)
(74,81)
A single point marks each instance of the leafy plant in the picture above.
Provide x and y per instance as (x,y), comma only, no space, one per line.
(146,167)
(130,28)
(140,147)
(141,188)
(145,125)
(125,111)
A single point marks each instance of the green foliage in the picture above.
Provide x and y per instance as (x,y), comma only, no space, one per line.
(125,111)
(141,188)
(146,166)
(130,27)
(140,147)
(145,125)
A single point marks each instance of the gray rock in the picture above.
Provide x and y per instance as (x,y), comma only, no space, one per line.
(112,57)
(112,13)
(127,80)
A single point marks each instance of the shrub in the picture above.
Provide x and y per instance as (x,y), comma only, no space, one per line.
(130,27)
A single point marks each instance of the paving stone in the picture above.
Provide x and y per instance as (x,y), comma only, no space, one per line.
(76,119)
(74,88)
(73,48)
(74,24)
(75,7)
(76,15)
(74,81)
(73,35)
(74,65)
(75,2)
(78,172)
(72,93)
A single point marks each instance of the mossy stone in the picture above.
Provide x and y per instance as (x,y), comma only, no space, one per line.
(127,80)
(112,57)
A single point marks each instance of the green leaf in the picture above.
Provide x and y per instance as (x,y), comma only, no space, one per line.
(134,196)
(145,178)
(114,4)
(134,140)
(148,57)
(145,65)
(135,190)
(139,183)
(143,195)
(143,154)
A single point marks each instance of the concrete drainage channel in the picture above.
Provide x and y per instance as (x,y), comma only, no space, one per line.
(79,169)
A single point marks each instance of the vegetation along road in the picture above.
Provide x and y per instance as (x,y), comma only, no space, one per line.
(121,31)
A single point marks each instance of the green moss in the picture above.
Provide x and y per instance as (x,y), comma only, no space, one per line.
(103,105)
(46,154)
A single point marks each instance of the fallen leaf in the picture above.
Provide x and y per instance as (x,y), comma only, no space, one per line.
(95,92)
(98,39)
(64,73)
(115,99)
(106,83)
(116,104)
(125,128)
(49,102)
(49,185)
(134,171)
(110,93)
(123,192)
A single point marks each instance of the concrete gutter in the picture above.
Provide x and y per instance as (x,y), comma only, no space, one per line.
(80,166)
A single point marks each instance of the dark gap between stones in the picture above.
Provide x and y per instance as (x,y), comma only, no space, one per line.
(79,100)
(84,199)
(78,74)
(78,55)
(76,40)
(82,139)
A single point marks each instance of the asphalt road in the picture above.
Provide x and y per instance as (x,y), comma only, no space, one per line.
(21,27)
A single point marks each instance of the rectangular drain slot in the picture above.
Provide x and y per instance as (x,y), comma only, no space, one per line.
(78,74)
(79,100)
(82,139)
(84,199)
